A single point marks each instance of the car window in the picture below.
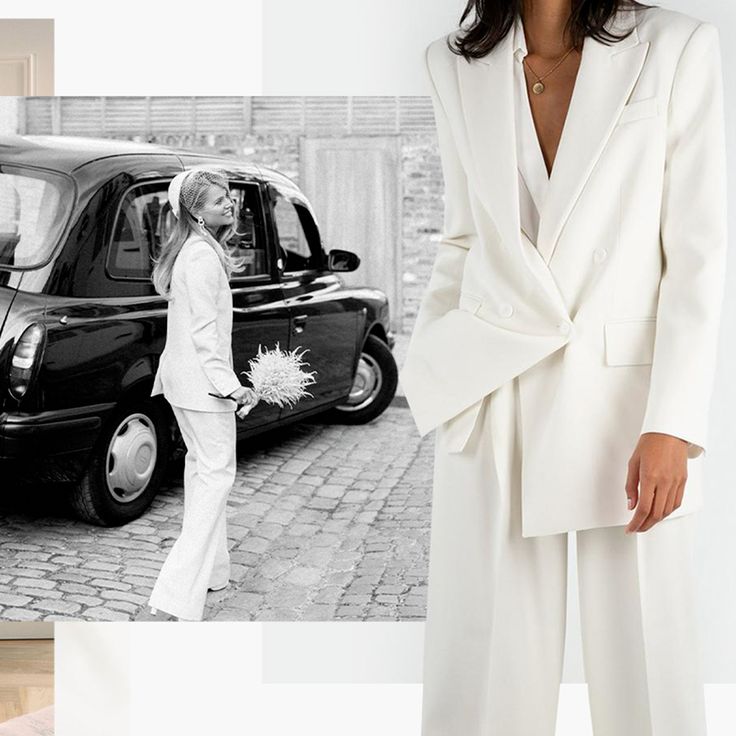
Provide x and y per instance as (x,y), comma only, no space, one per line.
(145,220)
(34,207)
(248,240)
(138,233)
(297,236)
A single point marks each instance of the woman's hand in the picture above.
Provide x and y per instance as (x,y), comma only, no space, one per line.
(246,398)
(655,483)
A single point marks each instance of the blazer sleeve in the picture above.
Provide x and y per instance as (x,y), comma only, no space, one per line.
(458,228)
(202,279)
(693,240)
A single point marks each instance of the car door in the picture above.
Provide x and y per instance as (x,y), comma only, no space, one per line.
(324,317)
(260,315)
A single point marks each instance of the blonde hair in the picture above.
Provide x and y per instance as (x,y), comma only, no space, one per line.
(192,196)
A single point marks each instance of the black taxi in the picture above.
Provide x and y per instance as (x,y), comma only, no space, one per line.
(82,329)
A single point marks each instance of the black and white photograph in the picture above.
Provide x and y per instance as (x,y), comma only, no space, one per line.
(314,482)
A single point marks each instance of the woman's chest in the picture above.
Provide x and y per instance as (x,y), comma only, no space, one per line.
(548,108)
(190,285)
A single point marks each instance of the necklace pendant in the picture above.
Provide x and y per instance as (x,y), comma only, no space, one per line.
(538,88)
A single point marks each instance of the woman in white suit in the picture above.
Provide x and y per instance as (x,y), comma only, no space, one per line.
(564,353)
(195,374)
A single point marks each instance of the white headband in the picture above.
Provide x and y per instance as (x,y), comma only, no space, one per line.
(174,189)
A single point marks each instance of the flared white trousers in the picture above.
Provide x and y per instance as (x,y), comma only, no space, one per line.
(199,559)
(495,627)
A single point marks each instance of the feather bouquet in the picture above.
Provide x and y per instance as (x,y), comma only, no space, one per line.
(278,377)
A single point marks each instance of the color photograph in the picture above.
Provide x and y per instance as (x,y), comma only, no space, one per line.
(366,368)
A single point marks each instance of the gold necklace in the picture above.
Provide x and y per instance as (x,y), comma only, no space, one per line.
(538,86)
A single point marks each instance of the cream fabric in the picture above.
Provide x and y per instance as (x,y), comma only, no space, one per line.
(533,177)
(496,609)
(197,358)
(606,343)
(199,558)
(496,613)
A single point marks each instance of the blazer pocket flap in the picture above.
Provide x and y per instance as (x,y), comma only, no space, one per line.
(638,109)
(630,342)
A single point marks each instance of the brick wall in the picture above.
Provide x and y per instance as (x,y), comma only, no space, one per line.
(421,177)
(267,131)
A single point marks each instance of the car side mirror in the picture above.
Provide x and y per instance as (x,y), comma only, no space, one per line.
(342,260)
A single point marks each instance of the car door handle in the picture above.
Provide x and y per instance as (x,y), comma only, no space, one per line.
(299,322)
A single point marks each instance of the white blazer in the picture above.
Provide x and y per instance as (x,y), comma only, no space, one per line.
(611,325)
(197,358)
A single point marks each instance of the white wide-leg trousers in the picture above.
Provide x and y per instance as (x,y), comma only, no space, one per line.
(495,627)
(199,558)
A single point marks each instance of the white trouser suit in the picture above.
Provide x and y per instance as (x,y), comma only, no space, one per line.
(496,612)
(196,361)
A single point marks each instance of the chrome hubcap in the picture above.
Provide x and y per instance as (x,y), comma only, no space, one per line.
(366,384)
(131,458)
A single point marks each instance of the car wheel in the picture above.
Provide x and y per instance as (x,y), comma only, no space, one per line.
(126,466)
(374,385)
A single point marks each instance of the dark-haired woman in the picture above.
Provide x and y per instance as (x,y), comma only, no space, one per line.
(564,352)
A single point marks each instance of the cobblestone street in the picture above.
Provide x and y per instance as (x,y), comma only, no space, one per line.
(325,522)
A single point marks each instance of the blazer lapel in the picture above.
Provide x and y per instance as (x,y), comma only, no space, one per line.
(486,94)
(605,79)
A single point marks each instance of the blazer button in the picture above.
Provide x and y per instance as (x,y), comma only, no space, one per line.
(564,328)
(599,255)
(505,309)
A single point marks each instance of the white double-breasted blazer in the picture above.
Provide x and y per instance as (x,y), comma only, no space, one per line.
(611,322)
(197,358)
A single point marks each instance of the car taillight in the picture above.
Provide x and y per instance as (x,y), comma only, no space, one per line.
(25,359)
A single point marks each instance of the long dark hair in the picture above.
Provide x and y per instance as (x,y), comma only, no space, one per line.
(494,19)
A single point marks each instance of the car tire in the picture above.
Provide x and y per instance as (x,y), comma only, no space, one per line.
(126,466)
(368,401)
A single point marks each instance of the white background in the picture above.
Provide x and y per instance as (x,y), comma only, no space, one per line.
(189,679)
(350,47)
(144,47)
